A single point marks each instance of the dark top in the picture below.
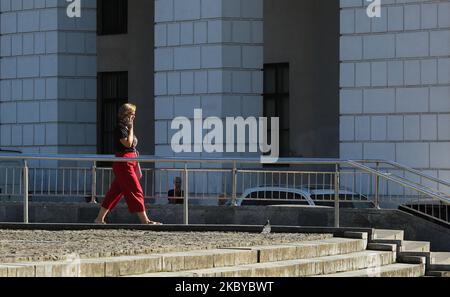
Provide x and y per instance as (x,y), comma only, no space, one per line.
(121,132)
(175,199)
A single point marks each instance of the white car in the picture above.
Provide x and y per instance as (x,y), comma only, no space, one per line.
(267,195)
(312,196)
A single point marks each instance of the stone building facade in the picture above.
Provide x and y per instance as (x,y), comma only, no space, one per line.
(359,87)
(395,83)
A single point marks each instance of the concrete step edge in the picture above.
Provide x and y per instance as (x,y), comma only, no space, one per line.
(388,234)
(293,268)
(440,258)
(411,259)
(127,265)
(136,264)
(356,235)
(439,267)
(387,241)
(391,270)
(304,250)
(417,246)
(406,245)
(382,247)
(438,273)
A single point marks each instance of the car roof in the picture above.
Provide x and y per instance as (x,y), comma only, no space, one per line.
(300,190)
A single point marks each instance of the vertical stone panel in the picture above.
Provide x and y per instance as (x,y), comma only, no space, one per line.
(208,55)
(48,76)
(399,64)
(204,48)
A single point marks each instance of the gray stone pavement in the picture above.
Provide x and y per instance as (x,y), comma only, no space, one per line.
(37,245)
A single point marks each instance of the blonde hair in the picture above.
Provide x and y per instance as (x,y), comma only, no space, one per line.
(125,110)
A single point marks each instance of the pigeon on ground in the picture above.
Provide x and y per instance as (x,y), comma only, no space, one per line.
(266,229)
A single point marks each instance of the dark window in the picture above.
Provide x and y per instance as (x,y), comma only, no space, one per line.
(273,198)
(276,101)
(274,195)
(112,93)
(112,17)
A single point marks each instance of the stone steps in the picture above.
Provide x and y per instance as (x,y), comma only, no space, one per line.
(440,258)
(415,246)
(128,265)
(388,234)
(293,268)
(391,270)
(309,249)
(412,252)
(439,264)
(439,273)
(382,247)
(182,261)
(355,255)
(406,245)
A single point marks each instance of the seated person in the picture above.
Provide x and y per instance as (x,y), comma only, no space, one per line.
(222,199)
(176,195)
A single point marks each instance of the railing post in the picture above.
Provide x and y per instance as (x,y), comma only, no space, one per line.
(234,195)
(336,197)
(377,186)
(94,183)
(186,195)
(25,192)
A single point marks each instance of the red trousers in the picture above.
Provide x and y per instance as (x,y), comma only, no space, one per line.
(126,183)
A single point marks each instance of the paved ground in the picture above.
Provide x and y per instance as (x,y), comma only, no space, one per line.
(19,246)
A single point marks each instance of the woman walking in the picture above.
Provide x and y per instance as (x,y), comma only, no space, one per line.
(127,174)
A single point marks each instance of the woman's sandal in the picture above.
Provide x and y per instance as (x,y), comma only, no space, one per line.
(153,223)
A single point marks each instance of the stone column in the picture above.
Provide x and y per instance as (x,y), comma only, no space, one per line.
(48,77)
(208,55)
(395,83)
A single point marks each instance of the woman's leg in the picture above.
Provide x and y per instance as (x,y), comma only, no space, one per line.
(101,216)
(111,199)
(134,196)
(113,196)
(143,218)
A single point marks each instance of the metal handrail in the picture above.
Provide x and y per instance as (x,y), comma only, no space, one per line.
(25,158)
(419,184)
(406,168)
(403,182)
